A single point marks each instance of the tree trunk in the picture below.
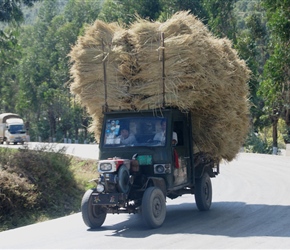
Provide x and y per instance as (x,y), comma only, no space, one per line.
(275,134)
(52,124)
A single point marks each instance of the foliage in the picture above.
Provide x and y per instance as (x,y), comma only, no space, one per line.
(262,141)
(11,13)
(194,6)
(252,43)
(10,52)
(221,19)
(285,131)
(256,144)
(43,75)
(40,183)
(11,9)
(125,11)
(276,86)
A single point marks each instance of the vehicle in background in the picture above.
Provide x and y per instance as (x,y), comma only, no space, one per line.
(12,129)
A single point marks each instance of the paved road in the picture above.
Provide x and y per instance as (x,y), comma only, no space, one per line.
(90,151)
(250,210)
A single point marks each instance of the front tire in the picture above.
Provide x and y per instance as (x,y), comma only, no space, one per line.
(123,179)
(93,215)
(203,192)
(153,207)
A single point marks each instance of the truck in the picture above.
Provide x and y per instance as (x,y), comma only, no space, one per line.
(147,75)
(12,129)
(139,176)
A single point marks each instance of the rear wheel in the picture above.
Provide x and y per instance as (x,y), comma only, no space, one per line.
(153,207)
(203,192)
(93,215)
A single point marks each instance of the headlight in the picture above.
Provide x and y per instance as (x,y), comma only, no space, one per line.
(105,166)
(162,168)
(100,188)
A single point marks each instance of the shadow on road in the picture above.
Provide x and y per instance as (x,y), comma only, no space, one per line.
(232,219)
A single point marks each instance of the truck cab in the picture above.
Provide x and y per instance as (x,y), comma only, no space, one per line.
(15,132)
(12,129)
(146,157)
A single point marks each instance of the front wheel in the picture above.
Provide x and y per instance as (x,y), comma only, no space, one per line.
(153,207)
(203,192)
(123,179)
(93,215)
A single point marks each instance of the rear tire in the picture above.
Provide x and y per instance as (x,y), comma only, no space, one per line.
(203,192)
(153,207)
(93,215)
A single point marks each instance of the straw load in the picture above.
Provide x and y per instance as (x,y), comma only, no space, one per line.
(203,74)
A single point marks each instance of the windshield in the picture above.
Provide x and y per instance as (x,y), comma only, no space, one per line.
(16,129)
(131,131)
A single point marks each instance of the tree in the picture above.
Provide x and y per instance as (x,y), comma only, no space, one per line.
(195,7)
(44,95)
(252,42)
(10,51)
(275,87)
(79,13)
(125,11)
(11,10)
(149,9)
(221,18)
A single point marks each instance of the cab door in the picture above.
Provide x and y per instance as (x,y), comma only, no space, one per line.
(182,151)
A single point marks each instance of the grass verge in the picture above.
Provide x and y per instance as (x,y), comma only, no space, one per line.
(37,185)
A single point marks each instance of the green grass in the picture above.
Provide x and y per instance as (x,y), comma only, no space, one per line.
(38,185)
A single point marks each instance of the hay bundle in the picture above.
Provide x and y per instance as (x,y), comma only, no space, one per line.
(102,42)
(203,74)
(87,69)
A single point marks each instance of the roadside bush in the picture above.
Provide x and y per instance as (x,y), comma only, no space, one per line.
(33,182)
(255,144)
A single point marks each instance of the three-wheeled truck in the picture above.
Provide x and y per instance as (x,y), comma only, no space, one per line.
(138,176)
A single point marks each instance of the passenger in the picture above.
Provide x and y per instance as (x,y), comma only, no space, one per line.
(126,137)
(174,139)
(161,136)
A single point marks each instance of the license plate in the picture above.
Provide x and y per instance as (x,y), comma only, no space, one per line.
(107,199)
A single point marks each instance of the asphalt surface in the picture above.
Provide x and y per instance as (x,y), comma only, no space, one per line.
(250,210)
